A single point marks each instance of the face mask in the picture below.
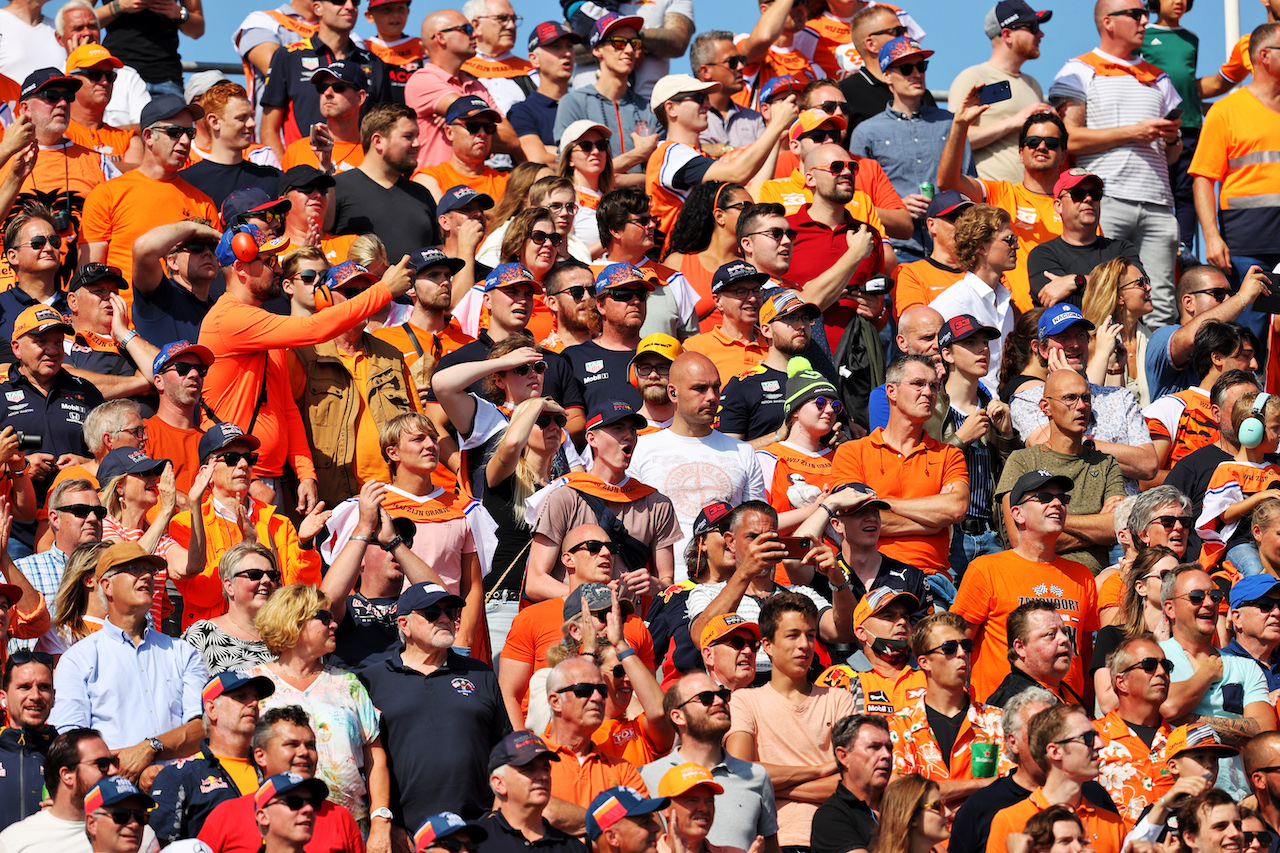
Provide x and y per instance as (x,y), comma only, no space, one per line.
(893,651)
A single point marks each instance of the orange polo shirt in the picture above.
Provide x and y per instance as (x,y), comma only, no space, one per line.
(1104,830)
(578,778)
(732,358)
(881,694)
(921,282)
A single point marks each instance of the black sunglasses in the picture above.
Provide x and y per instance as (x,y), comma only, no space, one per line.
(96,76)
(256,575)
(295,802)
(576,292)
(324,616)
(737,642)
(1053,143)
(822,136)
(433,612)
(121,817)
(104,764)
(474,127)
(1047,497)
(699,98)
(1263,838)
(84,510)
(464,28)
(1266,605)
(1088,738)
(906,69)
(1149,665)
(1135,14)
(589,145)
(1079,194)
(1168,522)
(1218,293)
(40,242)
(55,96)
(833,107)
(22,656)
(198,247)
(584,689)
(592,546)
(626,294)
(234,458)
(896,32)
(541,237)
(775,234)
(175,132)
(950,647)
(1032,28)
(182,368)
(1197,596)
(545,421)
(338,88)
(733,63)
(708,697)
(538,367)
(454,845)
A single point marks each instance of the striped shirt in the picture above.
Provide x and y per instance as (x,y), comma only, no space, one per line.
(979,457)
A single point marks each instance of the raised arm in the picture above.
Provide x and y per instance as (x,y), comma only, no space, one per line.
(951,165)
(150,249)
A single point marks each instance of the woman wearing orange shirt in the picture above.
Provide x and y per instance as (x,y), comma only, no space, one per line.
(705,237)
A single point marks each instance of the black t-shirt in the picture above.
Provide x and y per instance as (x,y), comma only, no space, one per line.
(557,383)
(946,729)
(751,405)
(171,312)
(404,215)
(1059,257)
(148,43)
(1104,643)
(843,823)
(602,374)
(867,96)
(514,539)
(217,180)
(1192,473)
(367,631)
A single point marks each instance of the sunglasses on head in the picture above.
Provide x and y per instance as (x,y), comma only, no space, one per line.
(40,242)
(1149,665)
(474,127)
(708,697)
(338,88)
(256,575)
(324,617)
(121,817)
(1197,596)
(545,421)
(626,294)
(22,656)
(93,75)
(584,689)
(198,247)
(176,132)
(576,292)
(1053,143)
(620,43)
(906,69)
(586,146)
(235,457)
(538,367)
(737,642)
(105,763)
(591,546)
(182,368)
(950,647)
(1079,194)
(1168,522)
(84,510)
(543,237)
(433,612)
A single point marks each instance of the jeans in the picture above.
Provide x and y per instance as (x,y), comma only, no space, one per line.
(1153,230)
(1245,558)
(966,546)
(19,549)
(944,589)
(499,613)
(165,87)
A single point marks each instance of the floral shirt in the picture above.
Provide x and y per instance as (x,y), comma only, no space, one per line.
(1133,773)
(916,750)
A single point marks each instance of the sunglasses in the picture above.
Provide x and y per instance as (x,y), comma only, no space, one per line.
(198,247)
(775,234)
(182,368)
(1034,29)
(84,510)
(545,421)
(737,642)
(1218,293)
(310,189)
(1135,14)
(823,402)
(586,146)
(538,367)
(1169,521)
(1143,283)
(474,127)
(1263,838)
(1197,596)
(338,88)
(896,32)
(324,617)
(1011,240)
(699,98)
(234,458)
(1053,143)
(40,242)
(175,132)
(1266,605)
(1149,665)
(591,546)
(295,802)
(934,806)
(121,817)
(22,656)
(463,28)
(55,96)
(584,689)
(708,697)
(569,207)
(1047,497)
(839,167)
(620,43)
(454,845)
(821,136)
(626,294)
(950,647)
(906,69)
(543,237)
(576,292)
(1079,194)
(433,612)
(105,763)
(93,75)
(645,221)
(833,107)
(256,575)
(1088,738)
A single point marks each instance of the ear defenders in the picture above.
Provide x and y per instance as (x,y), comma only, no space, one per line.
(1252,429)
(244,247)
(323,297)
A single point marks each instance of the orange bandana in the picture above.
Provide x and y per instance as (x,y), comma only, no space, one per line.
(437,506)
(1144,72)
(590,484)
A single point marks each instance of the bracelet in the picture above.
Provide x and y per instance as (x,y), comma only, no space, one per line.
(396,542)
(368,539)
(827,510)
(625,653)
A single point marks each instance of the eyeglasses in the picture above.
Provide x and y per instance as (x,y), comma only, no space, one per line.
(1088,738)
(1197,596)
(1169,521)
(182,368)
(620,43)
(1266,605)
(83,511)
(950,647)
(838,167)
(1011,241)
(644,221)
(733,63)
(1263,838)
(906,69)
(1143,283)
(234,457)
(502,19)
(103,764)
(175,132)
(824,402)
(743,293)
(775,234)
(55,96)
(139,432)
(1138,14)
(433,612)
(584,689)
(589,145)
(338,88)
(198,247)
(257,575)
(464,28)
(662,368)
(822,136)
(1047,497)
(545,421)
(95,76)
(121,817)
(591,546)
(737,642)
(569,207)
(474,127)
(543,237)
(538,367)
(896,32)
(626,294)
(1218,294)
(295,802)
(40,242)
(324,617)
(576,292)
(1053,143)
(708,697)
(1079,194)
(1149,665)
(1070,400)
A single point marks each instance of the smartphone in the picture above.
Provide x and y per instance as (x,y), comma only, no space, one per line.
(797,546)
(1173,114)
(1269,304)
(314,136)
(995,92)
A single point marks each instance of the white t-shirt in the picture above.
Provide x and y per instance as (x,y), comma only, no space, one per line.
(693,472)
(24,48)
(128,98)
(971,295)
(44,833)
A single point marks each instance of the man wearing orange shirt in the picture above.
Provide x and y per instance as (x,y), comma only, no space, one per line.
(174,431)
(734,346)
(120,211)
(1042,145)
(779,45)
(430,332)
(922,281)
(469,127)
(996,584)
(95,67)
(1066,743)
(309,193)
(924,481)
(882,624)
(333,145)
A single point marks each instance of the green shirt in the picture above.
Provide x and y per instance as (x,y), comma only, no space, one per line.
(1096,476)
(1174,51)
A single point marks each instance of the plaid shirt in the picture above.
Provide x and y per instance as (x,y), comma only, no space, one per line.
(44,570)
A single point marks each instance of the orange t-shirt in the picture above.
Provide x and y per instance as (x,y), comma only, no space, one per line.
(930,466)
(491,182)
(1238,65)
(779,61)
(335,248)
(182,446)
(405,51)
(1111,593)
(732,358)
(994,585)
(665,201)
(781,461)
(881,694)
(1185,420)
(1104,831)
(108,140)
(1034,222)
(626,739)
(121,210)
(699,278)
(439,345)
(346,155)
(921,282)
(835,41)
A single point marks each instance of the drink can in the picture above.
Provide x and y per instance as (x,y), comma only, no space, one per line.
(928,190)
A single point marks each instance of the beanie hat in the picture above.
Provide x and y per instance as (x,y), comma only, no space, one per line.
(804,384)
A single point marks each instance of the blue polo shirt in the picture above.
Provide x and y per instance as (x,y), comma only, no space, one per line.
(535,114)
(438,730)
(1270,671)
(12,303)
(1163,377)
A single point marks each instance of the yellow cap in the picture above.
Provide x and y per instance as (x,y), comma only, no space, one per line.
(664,345)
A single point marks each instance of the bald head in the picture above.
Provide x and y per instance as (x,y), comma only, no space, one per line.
(692,367)
(870,19)
(572,671)
(1061,382)
(1262,751)
(583,533)
(695,387)
(439,20)
(918,330)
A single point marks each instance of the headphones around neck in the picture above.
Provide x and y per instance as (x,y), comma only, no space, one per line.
(1252,429)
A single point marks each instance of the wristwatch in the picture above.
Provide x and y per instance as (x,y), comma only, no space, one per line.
(184,15)
(384,813)
(156,746)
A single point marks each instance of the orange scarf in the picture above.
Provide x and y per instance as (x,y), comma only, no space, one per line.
(1144,72)
(590,484)
(437,506)
(488,69)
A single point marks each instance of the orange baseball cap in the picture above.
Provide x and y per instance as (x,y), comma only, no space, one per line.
(685,777)
(89,55)
(724,625)
(40,318)
(814,119)
(1187,737)
(877,600)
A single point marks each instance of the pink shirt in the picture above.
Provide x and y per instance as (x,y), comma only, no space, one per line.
(421,94)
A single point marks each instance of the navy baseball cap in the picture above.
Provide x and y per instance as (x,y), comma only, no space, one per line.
(612,21)
(1013,13)
(281,784)
(947,201)
(607,412)
(1252,588)
(43,78)
(113,790)
(219,436)
(163,107)
(550,32)
(873,499)
(461,196)
(734,272)
(344,71)
(237,206)
(430,256)
(234,679)
(469,106)
(1056,320)
(518,749)
(962,327)
(422,595)
(613,804)
(711,517)
(598,597)
(171,351)
(126,460)
(442,825)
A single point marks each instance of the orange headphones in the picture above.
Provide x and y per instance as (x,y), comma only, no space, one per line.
(323,297)
(243,246)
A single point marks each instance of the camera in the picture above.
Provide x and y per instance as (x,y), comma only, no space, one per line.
(29,441)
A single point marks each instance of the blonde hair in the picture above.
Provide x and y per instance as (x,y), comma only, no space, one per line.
(389,434)
(526,475)
(280,620)
(72,600)
(111,498)
(229,562)
(1265,514)
(1102,291)
(366,249)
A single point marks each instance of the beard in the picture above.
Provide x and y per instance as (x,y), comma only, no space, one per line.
(794,348)
(655,395)
(702,727)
